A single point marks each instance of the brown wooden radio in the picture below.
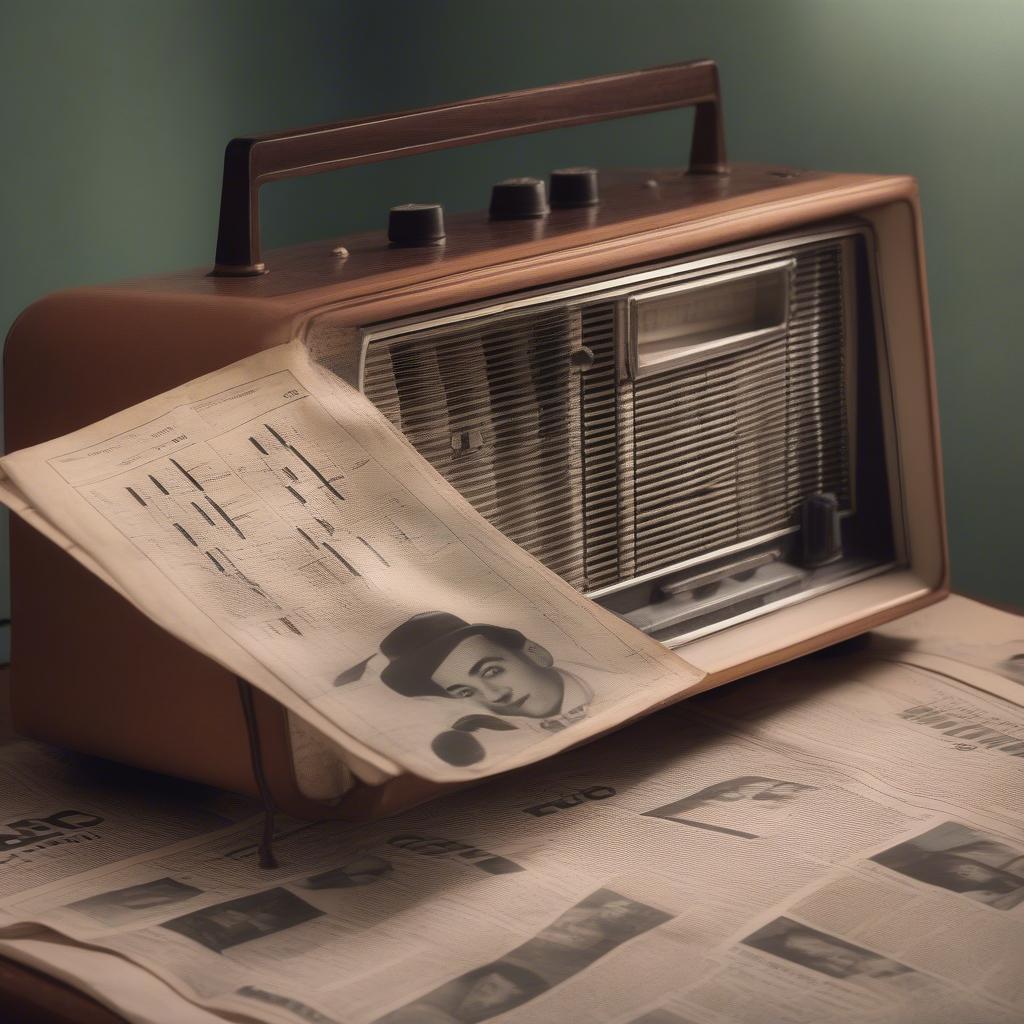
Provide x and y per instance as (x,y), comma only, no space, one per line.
(703,396)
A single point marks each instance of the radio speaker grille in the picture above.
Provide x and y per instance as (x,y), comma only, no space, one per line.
(725,451)
(495,408)
(602,479)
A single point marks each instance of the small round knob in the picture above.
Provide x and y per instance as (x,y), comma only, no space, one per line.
(582,359)
(518,199)
(822,531)
(574,186)
(416,224)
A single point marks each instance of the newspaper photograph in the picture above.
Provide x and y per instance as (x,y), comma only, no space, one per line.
(574,941)
(951,856)
(693,867)
(831,956)
(272,518)
(761,798)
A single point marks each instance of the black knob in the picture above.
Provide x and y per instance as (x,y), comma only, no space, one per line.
(518,199)
(574,186)
(416,224)
(582,359)
(822,533)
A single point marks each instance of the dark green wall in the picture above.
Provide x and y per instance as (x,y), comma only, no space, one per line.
(114,115)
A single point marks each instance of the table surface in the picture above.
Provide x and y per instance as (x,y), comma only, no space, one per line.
(29,996)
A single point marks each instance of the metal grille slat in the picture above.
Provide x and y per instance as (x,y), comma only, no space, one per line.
(725,451)
(599,430)
(604,479)
(494,406)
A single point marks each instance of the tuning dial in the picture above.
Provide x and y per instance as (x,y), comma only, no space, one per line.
(822,531)
(518,199)
(574,186)
(416,224)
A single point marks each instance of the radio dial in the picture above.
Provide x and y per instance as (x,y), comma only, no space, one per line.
(518,199)
(416,224)
(573,187)
(582,359)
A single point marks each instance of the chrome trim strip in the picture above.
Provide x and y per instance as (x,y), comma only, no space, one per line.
(606,287)
(784,602)
(689,563)
(894,450)
(715,347)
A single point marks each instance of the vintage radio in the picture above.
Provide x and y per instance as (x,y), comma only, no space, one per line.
(704,397)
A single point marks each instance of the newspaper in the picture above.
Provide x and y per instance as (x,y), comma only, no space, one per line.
(61,814)
(796,848)
(132,993)
(272,518)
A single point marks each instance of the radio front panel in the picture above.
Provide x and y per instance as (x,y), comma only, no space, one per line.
(690,444)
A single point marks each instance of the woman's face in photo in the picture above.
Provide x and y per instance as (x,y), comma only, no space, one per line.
(973,873)
(615,910)
(488,995)
(823,953)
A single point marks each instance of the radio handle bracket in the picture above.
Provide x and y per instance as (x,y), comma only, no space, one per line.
(252,161)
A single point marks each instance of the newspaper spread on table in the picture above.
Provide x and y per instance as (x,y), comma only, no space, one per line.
(63,813)
(270,516)
(838,840)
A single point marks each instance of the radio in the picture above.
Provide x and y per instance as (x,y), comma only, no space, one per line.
(702,396)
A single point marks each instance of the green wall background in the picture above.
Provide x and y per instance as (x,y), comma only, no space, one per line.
(115,113)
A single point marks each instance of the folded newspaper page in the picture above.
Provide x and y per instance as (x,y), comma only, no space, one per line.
(809,845)
(272,518)
(132,993)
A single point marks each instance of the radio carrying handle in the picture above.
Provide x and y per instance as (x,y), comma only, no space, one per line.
(250,162)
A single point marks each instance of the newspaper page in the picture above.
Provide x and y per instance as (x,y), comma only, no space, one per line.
(722,862)
(61,814)
(131,992)
(903,703)
(963,640)
(272,518)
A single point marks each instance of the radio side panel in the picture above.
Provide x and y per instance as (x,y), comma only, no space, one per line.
(88,671)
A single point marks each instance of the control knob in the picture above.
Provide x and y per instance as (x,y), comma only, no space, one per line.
(416,224)
(518,199)
(573,187)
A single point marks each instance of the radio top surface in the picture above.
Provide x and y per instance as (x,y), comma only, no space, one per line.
(671,203)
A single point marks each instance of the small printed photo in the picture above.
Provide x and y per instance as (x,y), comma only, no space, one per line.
(223,925)
(474,997)
(120,906)
(824,953)
(745,806)
(599,923)
(660,1017)
(488,677)
(951,856)
(571,943)
(354,874)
